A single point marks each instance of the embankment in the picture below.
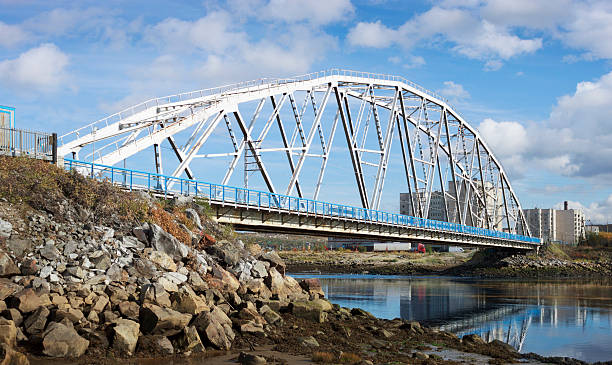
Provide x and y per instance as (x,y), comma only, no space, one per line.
(93,274)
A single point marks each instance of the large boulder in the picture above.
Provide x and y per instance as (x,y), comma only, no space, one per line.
(162,260)
(315,310)
(224,279)
(228,252)
(156,320)
(155,344)
(60,340)
(190,340)
(165,242)
(5,229)
(186,301)
(312,286)
(8,356)
(274,260)
(7,266)
(215,326)
(26,301)
(125,336)
(8,332)
(37,321)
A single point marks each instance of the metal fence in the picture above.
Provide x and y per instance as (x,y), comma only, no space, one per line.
(169,185)
(18,142)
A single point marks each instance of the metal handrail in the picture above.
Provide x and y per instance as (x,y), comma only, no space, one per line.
(21,142)
(153,182)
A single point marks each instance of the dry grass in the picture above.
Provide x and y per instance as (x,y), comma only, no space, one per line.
(323,357)
(169,224)
(43,186)
(349,358)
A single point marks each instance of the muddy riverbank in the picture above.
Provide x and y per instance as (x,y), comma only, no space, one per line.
(551,263)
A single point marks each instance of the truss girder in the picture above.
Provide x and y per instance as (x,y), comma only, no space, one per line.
(439,154)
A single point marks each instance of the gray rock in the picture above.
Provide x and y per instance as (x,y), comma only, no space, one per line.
(165,242)
(45,272)
(162,321)
(155,344)
(259,270)
(60,340)
(420,355)
(274,260)
(49,251)
(100,259)
(194,217)
(18,246)
(5,229)
(37,321)
(75,271)
(190,340)
(125,336)
(227,251)
(250,359)
(7,266)
(308,341)
(8,332)
(216,326)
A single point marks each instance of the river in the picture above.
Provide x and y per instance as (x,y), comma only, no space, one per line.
(552,318)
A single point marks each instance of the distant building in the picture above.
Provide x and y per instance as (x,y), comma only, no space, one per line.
(354,243)
(556,225)
(591,228)
(409,203)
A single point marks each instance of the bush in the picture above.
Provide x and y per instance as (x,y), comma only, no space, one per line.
(349,358)
(323,357)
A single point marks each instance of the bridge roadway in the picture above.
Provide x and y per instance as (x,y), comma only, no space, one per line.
(248,209)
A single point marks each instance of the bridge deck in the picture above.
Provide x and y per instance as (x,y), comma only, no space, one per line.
(264,211)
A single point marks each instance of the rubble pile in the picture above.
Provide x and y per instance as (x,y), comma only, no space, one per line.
(69,288)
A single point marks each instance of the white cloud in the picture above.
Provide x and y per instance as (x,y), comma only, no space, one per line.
(590,29)
(313,11)
(597,212)
(537,14)
(473,37)
(375,35)
(506,139)
(454,91)
(38,69)
(414,62)
(12,35)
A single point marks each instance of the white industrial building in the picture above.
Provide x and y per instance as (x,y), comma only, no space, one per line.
(353,243)
(556,225)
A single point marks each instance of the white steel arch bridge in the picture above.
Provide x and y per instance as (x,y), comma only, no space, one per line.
(285,134)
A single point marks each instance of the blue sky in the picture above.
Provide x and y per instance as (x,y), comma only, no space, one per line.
(534,76)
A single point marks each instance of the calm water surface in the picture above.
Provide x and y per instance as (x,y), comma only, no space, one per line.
(552,318)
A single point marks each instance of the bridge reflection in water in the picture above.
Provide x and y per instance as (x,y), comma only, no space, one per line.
(550,318)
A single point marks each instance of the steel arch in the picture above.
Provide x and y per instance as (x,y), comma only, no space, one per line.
(444,159)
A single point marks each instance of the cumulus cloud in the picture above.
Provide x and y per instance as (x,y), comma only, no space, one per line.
(375,35)
(314,11)
(575,141)
(38,69)
(467,34)
(598,212)
(12,35)
(454,91)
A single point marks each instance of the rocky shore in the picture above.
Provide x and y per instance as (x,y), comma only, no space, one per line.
(486,264)
(92,274)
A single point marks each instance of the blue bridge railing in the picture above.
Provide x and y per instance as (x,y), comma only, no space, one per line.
(163,184)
